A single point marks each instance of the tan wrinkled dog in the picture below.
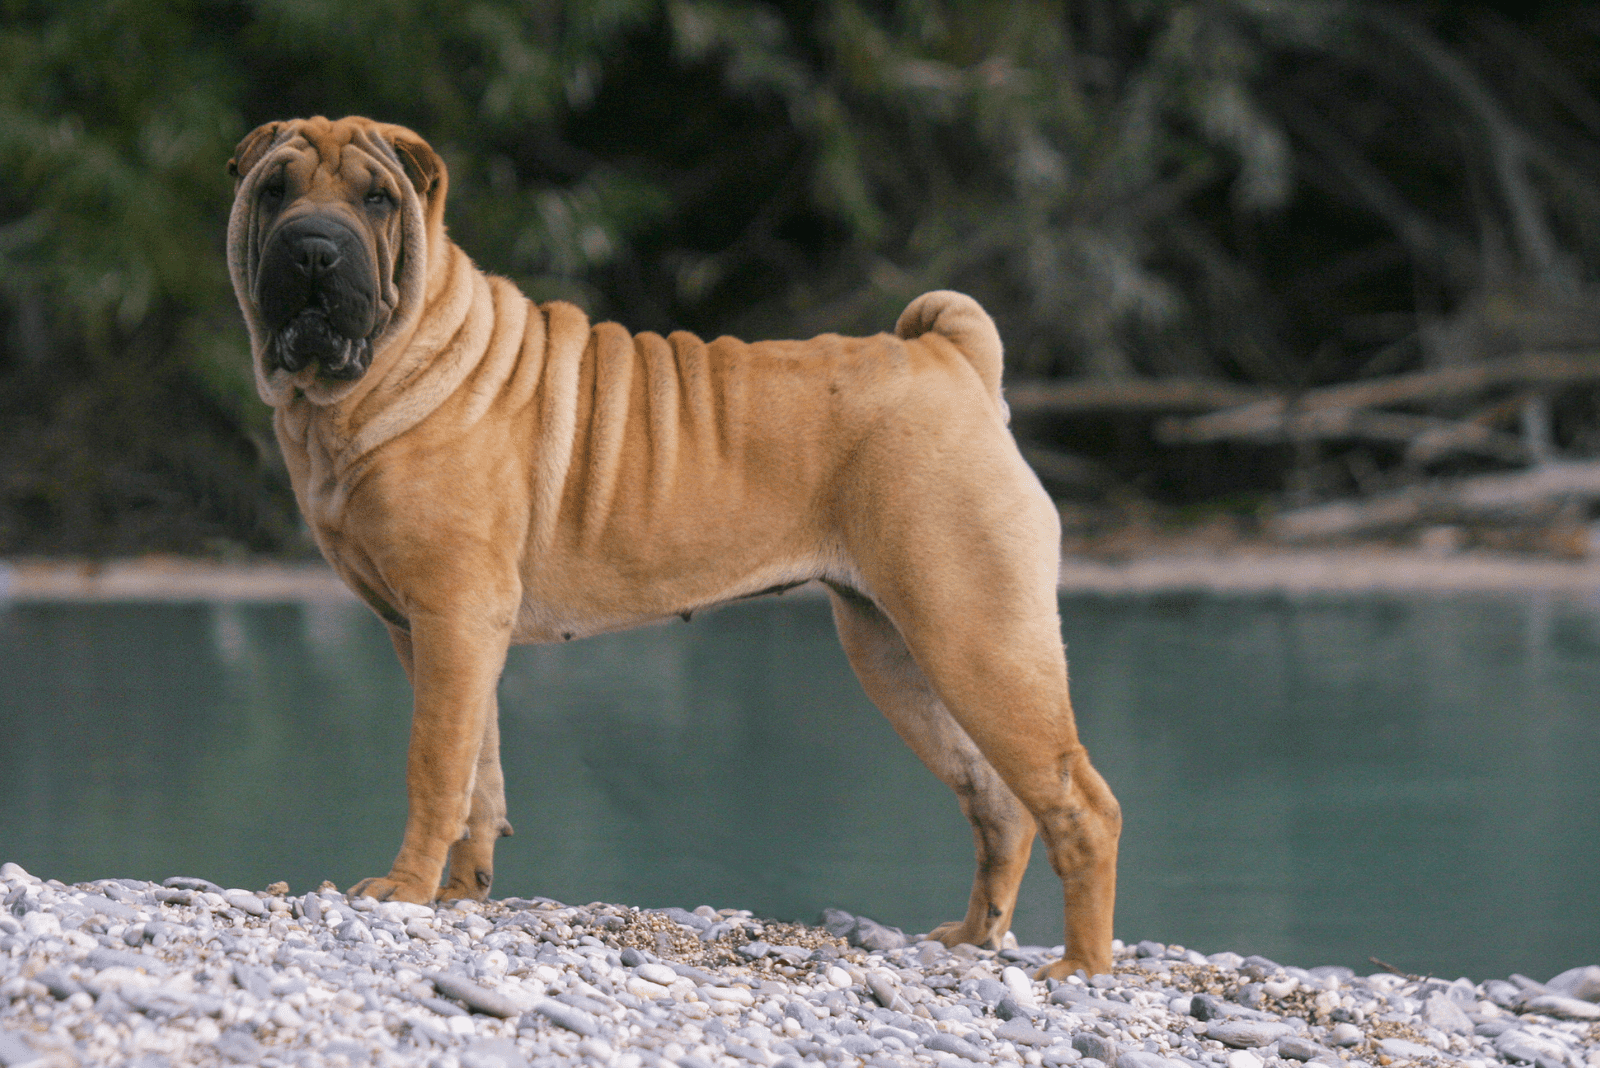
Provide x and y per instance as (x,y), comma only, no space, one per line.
(482,470)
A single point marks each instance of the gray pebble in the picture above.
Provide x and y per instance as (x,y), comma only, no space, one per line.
(103,958)
(1245,1034)
(1345,1034)
(1021,1032)
(1563,1006)
(1097,1047)
(442,1007)
(348,959)
(562,1016)
(1295,1048)
(475,997)
(1581,983)
(182,882)
(237,1045)
(944,1043)
(1141,1059)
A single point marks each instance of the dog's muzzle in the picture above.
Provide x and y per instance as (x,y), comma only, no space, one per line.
(317,291)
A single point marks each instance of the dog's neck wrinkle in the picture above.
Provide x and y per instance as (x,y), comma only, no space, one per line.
(416,372)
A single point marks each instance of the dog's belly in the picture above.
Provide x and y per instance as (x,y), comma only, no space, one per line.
(556,611)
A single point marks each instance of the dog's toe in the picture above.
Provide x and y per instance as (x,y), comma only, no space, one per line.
(386,888)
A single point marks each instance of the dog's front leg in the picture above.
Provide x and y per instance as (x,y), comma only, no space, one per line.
(455,664)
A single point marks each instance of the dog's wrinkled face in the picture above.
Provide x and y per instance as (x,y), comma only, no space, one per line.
(325,215)
(317,281)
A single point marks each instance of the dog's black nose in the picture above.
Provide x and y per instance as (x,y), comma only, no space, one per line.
(315,256)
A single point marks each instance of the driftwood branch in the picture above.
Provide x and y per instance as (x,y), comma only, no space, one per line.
(1538,492)
(1130,395)
(1274,418)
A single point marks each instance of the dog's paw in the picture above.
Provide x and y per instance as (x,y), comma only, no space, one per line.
(955,933)
(472,888)
(388,888)
(1067,966)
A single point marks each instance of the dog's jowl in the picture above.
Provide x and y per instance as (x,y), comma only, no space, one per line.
(483,470)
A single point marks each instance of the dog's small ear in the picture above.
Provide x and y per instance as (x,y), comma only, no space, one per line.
(252,148)
(421,163)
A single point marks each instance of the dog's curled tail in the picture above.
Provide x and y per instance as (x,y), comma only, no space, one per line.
(963,321)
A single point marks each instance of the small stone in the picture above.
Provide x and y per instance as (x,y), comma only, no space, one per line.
(883,988)
(57,982)
(1344,1034)
(105,906)
(1023,1033)
(1441,1012)
(184,882)
(1205,1007)
(1563,1006)
(837,922)
(1061,1054)
(245,902)
(1519,1045)
(944,1043)
(1295,1048)
(101,959)
(659,974)
(1141,1059)
(875,937)
(1245,1034)
(754,950)
(253,979)
(566,1016)
(1581,983)
(1021,987)
(1243,1058)
(1259,967)
(238,1045)
(860,1045)
(1099,1047)
(1399,1048)
(1008,1009)
(473,996)
(489,1053)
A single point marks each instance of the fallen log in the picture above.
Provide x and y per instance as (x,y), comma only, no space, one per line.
(1425,438)
(1534,493)
(1129,395)
(1266,419)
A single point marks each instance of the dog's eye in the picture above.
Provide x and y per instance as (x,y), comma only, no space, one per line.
(272,193)
(379,198)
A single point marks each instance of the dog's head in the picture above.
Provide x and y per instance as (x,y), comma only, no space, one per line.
(328,247)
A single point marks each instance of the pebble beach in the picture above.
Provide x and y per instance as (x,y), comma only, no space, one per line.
(123,972)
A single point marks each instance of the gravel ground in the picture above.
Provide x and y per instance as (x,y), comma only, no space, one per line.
(188,973)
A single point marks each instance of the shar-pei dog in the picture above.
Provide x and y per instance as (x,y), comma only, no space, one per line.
(483,470)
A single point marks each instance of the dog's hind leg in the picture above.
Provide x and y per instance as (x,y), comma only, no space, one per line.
(1002,829)
(963,560)
(988,638)
(472,858)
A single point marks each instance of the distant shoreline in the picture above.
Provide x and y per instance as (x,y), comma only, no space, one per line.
(1255,571)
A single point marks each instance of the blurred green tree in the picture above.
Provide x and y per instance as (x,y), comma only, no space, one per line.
(1285,194)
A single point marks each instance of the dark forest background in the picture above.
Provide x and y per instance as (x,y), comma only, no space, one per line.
(1250,259)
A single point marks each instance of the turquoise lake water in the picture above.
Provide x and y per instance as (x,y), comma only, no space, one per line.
(1319,780)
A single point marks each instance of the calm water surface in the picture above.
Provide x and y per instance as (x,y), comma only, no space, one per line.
(1317,780)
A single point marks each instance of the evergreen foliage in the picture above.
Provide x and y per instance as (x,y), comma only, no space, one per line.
(1282,194)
